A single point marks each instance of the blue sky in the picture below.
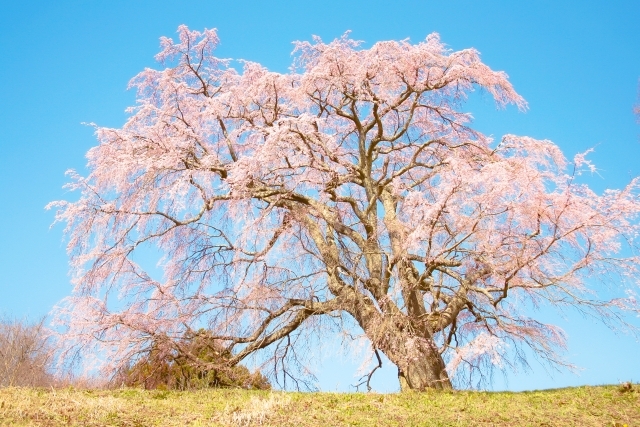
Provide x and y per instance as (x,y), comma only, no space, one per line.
(67,62)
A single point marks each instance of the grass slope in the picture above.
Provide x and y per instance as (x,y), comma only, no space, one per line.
(582,406)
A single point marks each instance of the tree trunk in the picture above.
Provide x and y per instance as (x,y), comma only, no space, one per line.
(425,373)
(420,364)
(420,368)
(408,343)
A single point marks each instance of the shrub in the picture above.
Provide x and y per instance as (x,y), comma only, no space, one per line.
(25,354)
(194,362)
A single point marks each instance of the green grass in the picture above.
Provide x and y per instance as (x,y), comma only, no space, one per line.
(581,406)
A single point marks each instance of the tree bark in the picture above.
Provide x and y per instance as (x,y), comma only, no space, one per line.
(412,350)
(420,368)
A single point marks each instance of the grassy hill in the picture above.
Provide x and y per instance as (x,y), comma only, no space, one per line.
(581,406)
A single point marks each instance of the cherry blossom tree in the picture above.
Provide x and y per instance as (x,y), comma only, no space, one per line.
(350,193)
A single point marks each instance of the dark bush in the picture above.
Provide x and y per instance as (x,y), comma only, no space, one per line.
(194,362)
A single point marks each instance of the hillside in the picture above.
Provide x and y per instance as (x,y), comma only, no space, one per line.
(582,406)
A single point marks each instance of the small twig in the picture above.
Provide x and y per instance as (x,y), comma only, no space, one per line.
(370,374)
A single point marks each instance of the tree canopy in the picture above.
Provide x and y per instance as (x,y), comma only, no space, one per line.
(349,193)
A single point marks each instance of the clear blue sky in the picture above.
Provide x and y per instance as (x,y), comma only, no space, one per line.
(67,62)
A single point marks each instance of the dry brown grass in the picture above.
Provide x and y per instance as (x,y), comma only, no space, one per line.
(582,406)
